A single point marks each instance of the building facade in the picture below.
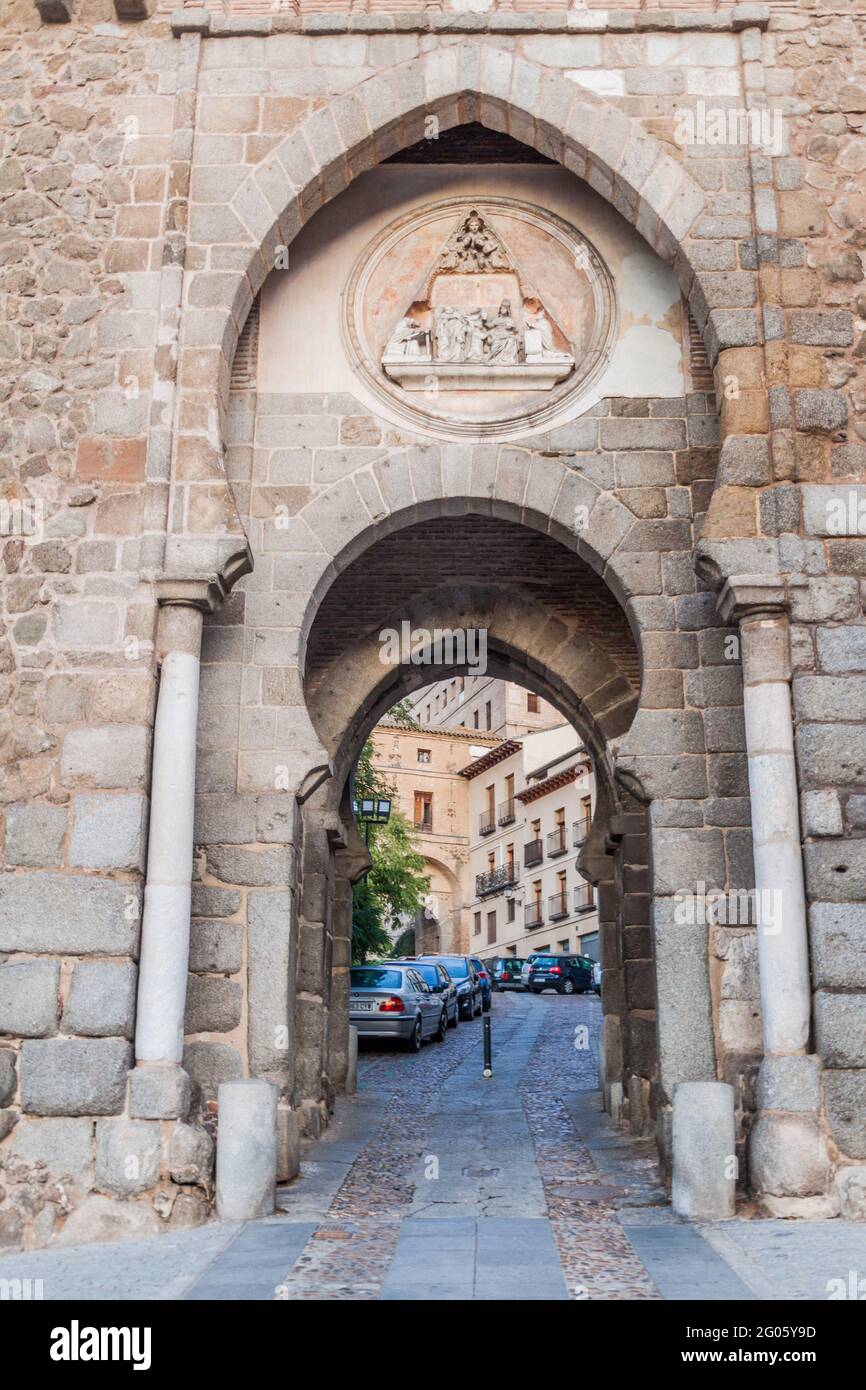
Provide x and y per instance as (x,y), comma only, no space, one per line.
(424,768)
(530,812)
(544,324)
(497,707)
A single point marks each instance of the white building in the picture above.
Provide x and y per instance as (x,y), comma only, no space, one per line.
(530,809)
(484,703)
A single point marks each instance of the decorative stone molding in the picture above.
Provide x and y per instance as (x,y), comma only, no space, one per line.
(477,321)
(434,20)
(753,595)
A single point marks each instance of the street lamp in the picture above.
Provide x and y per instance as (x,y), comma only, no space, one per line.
(372,810)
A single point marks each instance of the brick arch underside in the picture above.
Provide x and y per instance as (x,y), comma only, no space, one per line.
(548,619)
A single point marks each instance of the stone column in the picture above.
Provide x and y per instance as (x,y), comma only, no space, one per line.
(158,1088)
(787,1156)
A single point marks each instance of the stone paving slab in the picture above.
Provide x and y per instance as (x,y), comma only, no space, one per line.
(162,1267)
(793,1259)
(255,1263)
(682,1265)
(492,1258)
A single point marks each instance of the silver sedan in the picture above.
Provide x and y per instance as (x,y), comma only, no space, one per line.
(392,1000)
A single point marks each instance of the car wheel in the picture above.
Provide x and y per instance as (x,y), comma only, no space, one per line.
(567,987)
(413,1044)
(455,1017)
(442,1030)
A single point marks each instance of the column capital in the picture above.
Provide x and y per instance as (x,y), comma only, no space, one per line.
(204,594)
(753,596)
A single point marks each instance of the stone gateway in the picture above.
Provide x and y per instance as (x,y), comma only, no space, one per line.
(326,321)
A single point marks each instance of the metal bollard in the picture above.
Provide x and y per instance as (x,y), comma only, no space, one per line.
(488,1050)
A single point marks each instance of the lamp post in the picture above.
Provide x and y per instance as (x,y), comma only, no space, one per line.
(372,810)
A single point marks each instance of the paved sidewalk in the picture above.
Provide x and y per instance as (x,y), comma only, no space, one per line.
(433,1184)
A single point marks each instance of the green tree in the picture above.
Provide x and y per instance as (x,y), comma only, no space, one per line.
(396,883)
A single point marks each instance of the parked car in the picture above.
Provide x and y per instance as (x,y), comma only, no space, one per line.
(506,973)
(485,977)
(526,967)
(565,974)
(437,977)
(392,1000)
(470,994)
(596,976)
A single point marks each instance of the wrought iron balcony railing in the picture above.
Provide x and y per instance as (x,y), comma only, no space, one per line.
(557,906)
(533,853)
(584,898)
(487,822)
(506,811)
(494,881)
(556,842)
(533,915)
(581,830)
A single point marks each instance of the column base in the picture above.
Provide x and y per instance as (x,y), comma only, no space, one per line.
(788,1156)
(159,1091)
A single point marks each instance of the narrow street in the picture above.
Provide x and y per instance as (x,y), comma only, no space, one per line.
(433,1183)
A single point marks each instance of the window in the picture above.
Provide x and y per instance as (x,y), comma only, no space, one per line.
(475,720)
(491,928)
(510,908)
(423,810)
(423,755)
(563,946)
(531,702)
(488,715)
(476,925)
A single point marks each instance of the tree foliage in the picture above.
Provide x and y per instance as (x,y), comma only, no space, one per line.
(396,883)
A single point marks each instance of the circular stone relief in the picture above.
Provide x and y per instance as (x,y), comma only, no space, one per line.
(479,317)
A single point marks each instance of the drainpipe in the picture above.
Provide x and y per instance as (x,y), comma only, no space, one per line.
(164,955)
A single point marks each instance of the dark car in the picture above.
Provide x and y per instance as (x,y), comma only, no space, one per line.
(565,974)
(486,979)
(506,973)
(440,982)
(470,993)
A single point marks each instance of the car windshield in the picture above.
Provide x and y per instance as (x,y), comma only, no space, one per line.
(376,977)
(456,967)
(428,973)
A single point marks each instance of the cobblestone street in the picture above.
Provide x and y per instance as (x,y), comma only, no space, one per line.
(433,1183)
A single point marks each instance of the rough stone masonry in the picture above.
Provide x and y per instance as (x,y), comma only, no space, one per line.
(185,685)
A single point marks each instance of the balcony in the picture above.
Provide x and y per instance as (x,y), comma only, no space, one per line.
(494,881)
(424,824)
(556,842)
(487,822)
(532,915)
(584,898)
(580,831)
(506,812)
(533,853)
(557,906)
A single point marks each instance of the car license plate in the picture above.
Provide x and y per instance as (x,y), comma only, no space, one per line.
(361,1008)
